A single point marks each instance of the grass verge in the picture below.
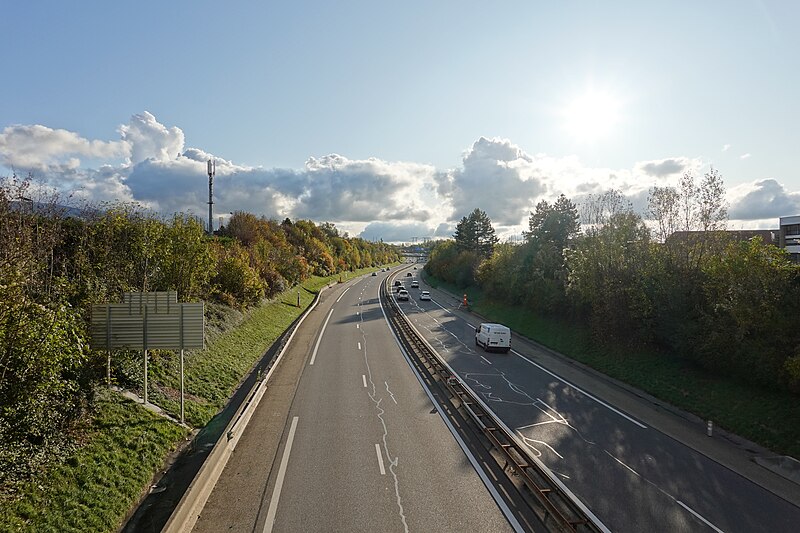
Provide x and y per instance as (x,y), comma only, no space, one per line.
(122,445)
(767,417)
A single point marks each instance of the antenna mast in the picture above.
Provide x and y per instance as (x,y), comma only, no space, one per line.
(212,168)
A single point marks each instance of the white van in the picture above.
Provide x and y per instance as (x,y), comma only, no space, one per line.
(493,337)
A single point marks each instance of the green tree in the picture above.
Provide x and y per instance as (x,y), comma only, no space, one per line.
(474,233)
(554,224)
(747,323)
(606,276)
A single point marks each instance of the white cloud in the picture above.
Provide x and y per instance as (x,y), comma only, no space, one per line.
(497,177)
(663,168)
(745,156)
(149,139)
(405,231)
(725,147)
(395,201)
(762,199)
(37,149)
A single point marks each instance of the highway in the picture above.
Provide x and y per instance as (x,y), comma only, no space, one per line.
(631,475)
(346,439)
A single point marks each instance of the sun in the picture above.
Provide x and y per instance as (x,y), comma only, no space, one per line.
(592,116)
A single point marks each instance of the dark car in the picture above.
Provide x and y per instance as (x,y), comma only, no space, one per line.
(409,274)
(374,274)
(397,283)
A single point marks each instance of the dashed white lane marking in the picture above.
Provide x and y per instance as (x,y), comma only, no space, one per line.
(359,346)
(598,400)
(276,493)
(357,327)
(321,333)
(623,464)
(487,361)
(380,459)
(340,296)
(706,522)
(364,379)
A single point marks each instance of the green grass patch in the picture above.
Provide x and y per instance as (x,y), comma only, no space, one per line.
(767,417)
(99,482)
(122,445)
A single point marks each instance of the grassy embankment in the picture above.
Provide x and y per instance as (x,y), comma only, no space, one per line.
(123,445)
(770,418)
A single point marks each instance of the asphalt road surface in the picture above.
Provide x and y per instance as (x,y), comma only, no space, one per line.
(631,475)
(346,439)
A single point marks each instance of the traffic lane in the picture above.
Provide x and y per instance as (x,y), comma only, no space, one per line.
(548,434)
(333,476)
(695,483)
(445,494)
(237,499)
(400,414)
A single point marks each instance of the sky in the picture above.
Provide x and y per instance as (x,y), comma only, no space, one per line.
(393,120)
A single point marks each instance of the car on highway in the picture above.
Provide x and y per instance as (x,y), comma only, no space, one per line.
(414,284)
(397,283)
(425,295)
(399,288)
(402,294)
(374,274)
(409,274)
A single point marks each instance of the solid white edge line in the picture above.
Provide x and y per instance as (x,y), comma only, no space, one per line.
(380,459)
(601,402)
(577,501)
(706,522)
(598,400)
(276,492)
(321,333)
(191,504)
(340,296)
(512,520)
(364,379)
(487,361)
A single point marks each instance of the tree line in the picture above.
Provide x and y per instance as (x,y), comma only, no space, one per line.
(54,266)
(674,281)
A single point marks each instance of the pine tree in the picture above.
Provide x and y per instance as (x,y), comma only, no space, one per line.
(475,234)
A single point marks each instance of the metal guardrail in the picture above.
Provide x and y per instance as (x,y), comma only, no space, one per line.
(548,497)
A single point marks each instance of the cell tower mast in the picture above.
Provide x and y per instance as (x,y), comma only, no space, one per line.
(212,168)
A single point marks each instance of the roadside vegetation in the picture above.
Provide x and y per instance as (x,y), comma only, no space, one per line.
(68,446)
(679,307)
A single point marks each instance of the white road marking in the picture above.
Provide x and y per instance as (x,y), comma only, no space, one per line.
(487,361)
(359,346)
(380,459)
(473,461)
(276,493)
(623,464)
(357,326)
(596,521)
(340,296)
(321,333)
(601,402)
(706,522)
(364,379)
(470,325)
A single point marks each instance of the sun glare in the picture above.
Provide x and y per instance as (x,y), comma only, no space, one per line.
(592,116)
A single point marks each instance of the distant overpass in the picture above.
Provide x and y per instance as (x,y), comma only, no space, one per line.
(415,257)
